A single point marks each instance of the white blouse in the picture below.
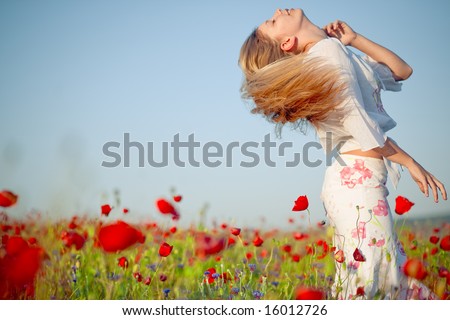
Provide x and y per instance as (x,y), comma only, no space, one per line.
(360,122)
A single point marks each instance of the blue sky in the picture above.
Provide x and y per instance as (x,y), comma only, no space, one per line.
(75,75)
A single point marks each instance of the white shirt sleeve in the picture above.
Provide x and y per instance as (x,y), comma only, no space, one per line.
(354,118)
(384,74)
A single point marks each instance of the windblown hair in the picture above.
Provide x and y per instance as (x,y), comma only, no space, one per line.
(285,87)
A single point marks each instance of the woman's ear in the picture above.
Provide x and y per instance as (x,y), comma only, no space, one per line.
(288,44)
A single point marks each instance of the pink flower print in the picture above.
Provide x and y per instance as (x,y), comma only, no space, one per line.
(360,231)
(377,243)
(351,176)
(353,265)
(381,209)
(362,170)
(346,173)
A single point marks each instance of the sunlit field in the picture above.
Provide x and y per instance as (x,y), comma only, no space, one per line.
(109,258)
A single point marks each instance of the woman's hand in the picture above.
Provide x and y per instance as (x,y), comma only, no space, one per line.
(341,31)
(424,180)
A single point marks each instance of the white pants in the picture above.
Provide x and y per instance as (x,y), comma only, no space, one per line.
(354,197)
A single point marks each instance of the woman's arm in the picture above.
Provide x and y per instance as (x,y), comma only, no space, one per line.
(340,30)
(422,177)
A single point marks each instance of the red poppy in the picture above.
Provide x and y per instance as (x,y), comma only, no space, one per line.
(122,262)
(414,268)
(300,236)
(258,241)
(72,238)
(173,229)
(434,239)
(209,275)
(106,209)
(306,293)
(402,205)
(125,210)
(165,207)
(165,249)
(7,198)
(286,248)
(118,236)
(207,245)
(235,231)
(339,256)
(18,268)
(147,281)
(445,243)
(223,225)
(162,277)
(301,204)
(137,276)
(296,257)
(177,198)
(358,256)
(231,241)
(249,255)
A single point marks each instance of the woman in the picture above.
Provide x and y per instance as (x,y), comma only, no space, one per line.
(298,73)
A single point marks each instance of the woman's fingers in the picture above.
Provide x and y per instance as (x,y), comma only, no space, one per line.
(440,186)
(433,186)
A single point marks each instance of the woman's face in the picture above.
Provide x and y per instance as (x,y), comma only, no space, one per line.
(284,23)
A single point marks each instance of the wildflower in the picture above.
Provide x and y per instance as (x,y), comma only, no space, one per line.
(165,207)
(137,276)
(252,267)
(402,205)
(235,231)
(106,209)
(7,198)
(165,249)
(147,281)
(72,238)
(177,198)
(257,294)
(307,293)
(415,269)
(258,241)
(301,204)
(118,236)
(122,262)
(162,277)
(445,243)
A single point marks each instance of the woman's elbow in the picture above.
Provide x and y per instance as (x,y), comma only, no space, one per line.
(404,73)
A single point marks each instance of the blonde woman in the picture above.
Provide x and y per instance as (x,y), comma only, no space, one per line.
(298,73)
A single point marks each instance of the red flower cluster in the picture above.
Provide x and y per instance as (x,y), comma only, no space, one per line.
(73,238)
(207,245)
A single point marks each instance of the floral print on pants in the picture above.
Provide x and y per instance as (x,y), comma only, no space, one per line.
(354,195)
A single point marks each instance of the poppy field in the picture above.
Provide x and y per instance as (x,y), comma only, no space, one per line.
(107,257)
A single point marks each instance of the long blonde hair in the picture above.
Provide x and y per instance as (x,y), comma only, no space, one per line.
(285,87)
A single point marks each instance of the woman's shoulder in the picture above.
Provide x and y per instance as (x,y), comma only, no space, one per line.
(332,50)
(327,44)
